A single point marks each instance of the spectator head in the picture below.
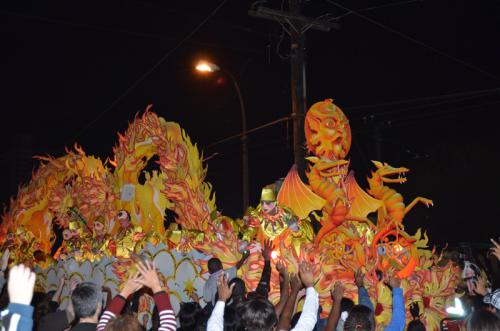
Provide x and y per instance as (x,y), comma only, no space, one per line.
(189,315)
(346,304)
(359,319)
(124,323)
(87,300)
(416,325)
(232,320)
(256,295)
(482,320)
(37,298)
(493,301)
(214,265)
(43,307)
(258,315)
(239,290)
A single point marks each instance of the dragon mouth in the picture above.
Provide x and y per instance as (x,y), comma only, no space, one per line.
(395,176)
(333,172)
(334,169)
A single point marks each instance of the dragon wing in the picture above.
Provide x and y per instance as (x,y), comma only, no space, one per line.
(362,203)
(297,196)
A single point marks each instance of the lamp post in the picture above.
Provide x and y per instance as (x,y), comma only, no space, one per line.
(208,67)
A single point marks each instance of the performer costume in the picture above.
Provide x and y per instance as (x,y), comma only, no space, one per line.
(127,240)
(278,224)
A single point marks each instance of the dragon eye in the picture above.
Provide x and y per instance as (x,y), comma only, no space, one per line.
(381,250)
(330,124)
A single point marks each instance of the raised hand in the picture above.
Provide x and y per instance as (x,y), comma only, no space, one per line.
(149,276)
(282,270)
(21,284)
(394,282)
(479,286)
(5,260)
(495,250)
(60,286)
(131,286)
(223,290)
(280,267)
(306,274)
(267,249)
(338,291)
(359,278)
(73,283)
(244,256)
(295,283)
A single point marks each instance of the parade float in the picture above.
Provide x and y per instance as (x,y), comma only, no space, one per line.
(113,212)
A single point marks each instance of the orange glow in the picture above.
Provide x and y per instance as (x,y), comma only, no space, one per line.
(204,66)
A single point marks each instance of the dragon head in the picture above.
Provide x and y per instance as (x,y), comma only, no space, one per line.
(329,170)
(385,173)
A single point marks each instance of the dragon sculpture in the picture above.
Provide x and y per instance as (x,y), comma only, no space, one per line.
(90,200)
(394,208)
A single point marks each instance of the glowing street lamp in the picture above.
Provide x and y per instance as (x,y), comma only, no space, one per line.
(203,66)
(209,67)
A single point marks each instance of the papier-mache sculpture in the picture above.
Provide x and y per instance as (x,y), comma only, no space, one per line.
(109,216)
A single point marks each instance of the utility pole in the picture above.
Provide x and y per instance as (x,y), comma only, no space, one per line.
(296,25)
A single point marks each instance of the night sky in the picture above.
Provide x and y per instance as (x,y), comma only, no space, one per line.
(419,79)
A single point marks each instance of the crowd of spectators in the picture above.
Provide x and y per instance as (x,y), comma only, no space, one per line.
(226,304)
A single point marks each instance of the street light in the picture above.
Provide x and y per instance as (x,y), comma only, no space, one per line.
(208,67)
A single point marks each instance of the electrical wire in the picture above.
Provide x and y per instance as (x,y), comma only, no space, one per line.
(495,90)
(239,135)
(150,71)
(421,107)
(132,33)
(415,41)
(437,115)
(449,112)
(392,4)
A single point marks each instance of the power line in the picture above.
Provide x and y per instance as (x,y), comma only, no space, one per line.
(449,113)
(437,115)
(239,135)
(429,105)
(122,31)
(428,98)
(150,71)
(467,95)
(392,4)
(418,42)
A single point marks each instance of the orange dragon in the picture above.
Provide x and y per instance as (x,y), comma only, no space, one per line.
(394,208)
(328,136)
